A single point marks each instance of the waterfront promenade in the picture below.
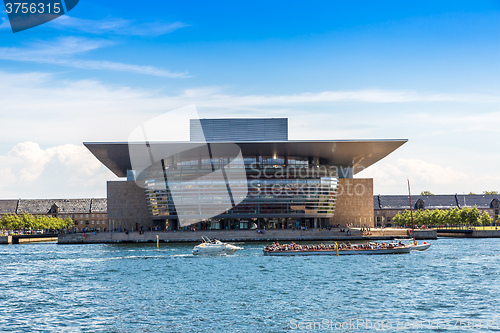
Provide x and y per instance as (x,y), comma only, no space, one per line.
(240,236)
(19,239)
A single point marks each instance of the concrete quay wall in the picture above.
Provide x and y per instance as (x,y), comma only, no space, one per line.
(486,233)
(425,234)
(190,236)
(37,240)
(229,236)
(19,239)
(5,239)
(419,233)
(470,233)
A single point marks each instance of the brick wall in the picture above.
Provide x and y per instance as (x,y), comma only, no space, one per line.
(354,202)
(127,206)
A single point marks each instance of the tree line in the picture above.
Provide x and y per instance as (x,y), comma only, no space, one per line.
(30,222)
(470,193)
(466,216)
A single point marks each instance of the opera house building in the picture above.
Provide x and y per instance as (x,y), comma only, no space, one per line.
(240,174)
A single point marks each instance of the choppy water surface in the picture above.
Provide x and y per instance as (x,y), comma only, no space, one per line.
(138,288)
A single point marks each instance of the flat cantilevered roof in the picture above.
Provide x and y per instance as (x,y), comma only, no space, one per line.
(359,154)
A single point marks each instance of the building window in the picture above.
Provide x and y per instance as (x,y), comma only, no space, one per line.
(378,212)
(420,204)
(92,222)
(98,222)
(86,215)
(97,215)
(93,215)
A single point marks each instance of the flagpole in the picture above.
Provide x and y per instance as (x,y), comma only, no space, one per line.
(411,213)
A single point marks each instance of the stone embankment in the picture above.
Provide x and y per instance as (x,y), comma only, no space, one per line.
(468,233)
(20,239)
(269,235)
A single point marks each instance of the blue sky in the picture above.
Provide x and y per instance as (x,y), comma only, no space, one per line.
(427,71)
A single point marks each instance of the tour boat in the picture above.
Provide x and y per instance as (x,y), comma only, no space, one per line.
(214,247)
(307,250)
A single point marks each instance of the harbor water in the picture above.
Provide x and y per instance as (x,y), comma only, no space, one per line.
(452,287)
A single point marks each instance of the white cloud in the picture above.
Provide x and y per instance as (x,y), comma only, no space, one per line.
(88,110)
(30,159)
(214,97)
(391,176)
(4,24)
(8,179)
(60,171)
(116,26)
(40,108)
(63,52)
(419,170)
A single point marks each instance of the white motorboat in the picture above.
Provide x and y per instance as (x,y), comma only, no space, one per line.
(420,247)
(214,247)
(414,246)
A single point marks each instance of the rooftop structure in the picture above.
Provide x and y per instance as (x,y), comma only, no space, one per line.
(439,201)
(46,206)
(238,129)
(387,206)
(355,155)
(88,214)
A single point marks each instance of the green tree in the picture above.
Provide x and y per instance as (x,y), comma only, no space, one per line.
(426,193)
(68,223)
(470,215)
(436,217)
(466,216)
(421,217)
(402,219)
(485,219)
(28,221)
(42,222)
(12,222)
(490,192)
(454,217)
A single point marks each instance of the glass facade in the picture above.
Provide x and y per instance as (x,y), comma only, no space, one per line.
(276,188)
